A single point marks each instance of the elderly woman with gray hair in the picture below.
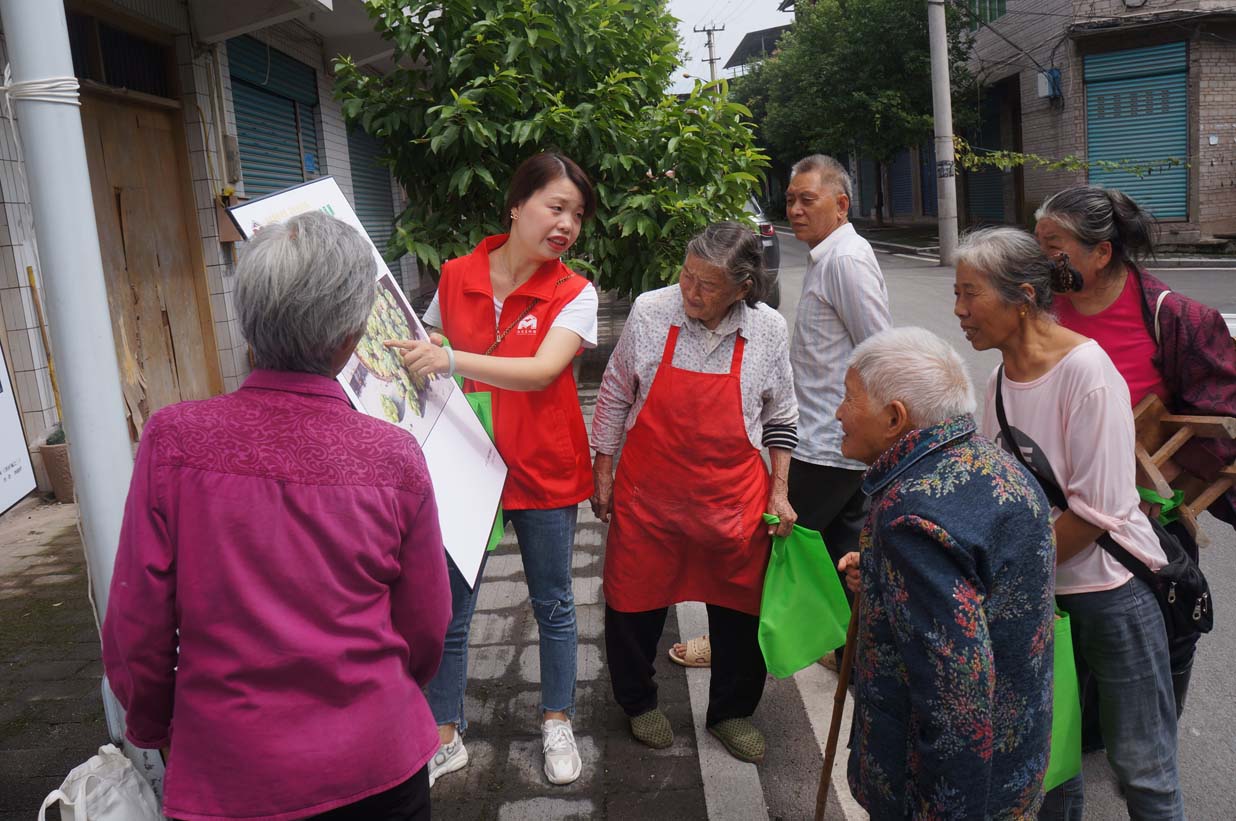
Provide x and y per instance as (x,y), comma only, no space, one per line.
(279,596)
(699,382)
(953,695)
(1066,409)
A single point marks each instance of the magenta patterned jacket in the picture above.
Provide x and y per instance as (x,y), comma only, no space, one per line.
(1197,359)
(279,597)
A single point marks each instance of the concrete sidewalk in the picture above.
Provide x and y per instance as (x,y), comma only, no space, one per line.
(51,711)
(621,778)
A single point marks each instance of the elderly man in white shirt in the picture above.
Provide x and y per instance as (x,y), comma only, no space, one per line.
(843,302)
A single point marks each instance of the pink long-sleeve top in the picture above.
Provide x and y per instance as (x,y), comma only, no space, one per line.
(278,600)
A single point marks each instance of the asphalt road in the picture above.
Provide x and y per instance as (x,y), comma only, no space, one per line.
(921,293)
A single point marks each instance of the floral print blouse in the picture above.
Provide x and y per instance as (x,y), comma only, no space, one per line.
(953,670)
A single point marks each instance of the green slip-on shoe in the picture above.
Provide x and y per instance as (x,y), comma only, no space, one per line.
(741,738)
(653,728)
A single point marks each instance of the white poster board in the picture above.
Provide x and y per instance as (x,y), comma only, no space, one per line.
(466,470)
(16,472)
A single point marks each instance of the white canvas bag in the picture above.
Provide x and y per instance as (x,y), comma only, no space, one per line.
(105,788)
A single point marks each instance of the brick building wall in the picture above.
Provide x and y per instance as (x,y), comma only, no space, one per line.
(1215,61)
(1055,129)
(1050,128)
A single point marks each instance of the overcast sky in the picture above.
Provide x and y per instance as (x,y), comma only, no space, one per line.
(738,17)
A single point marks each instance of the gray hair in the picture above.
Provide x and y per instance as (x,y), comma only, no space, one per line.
(1093,215)
(735,249)
(1010,258)
(917,368)
(831,172)
(303,287)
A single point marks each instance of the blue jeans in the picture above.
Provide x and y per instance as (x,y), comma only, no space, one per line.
(546,540)
(1120,635)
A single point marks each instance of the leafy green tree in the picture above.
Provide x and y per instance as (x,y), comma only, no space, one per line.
(851,76)
(481,86)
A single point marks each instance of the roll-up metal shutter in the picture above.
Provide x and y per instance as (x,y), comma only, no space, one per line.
(985,187)
(1137,106)
(867,183)
(275,99)
(371,185)
(985,195)
(927,169)
(901,181)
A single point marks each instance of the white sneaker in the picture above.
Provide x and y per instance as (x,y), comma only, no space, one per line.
(562,764)
(449,758)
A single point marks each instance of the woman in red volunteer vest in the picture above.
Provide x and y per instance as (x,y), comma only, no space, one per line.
(516,317)
(699,382)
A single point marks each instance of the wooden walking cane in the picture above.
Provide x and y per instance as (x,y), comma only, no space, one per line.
(834,729)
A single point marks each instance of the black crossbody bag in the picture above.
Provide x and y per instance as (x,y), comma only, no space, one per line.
(1179,586)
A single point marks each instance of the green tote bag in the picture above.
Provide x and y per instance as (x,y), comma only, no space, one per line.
(803,612)
(1065,759)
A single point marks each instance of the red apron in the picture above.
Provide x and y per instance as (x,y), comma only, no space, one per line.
(689,497)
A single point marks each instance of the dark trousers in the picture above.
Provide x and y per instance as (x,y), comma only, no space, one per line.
(407,802)
(830,501)
(738,671)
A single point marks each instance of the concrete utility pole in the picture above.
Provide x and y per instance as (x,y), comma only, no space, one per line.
(942,108)
(76,293)
(712,51)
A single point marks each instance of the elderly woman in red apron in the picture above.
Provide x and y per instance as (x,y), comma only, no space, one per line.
(698,384)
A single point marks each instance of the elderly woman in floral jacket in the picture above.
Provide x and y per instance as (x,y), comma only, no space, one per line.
(953,671)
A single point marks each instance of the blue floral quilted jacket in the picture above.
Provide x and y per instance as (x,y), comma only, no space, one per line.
(953,669)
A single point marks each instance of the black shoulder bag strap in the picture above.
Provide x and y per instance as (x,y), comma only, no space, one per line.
(1056,495)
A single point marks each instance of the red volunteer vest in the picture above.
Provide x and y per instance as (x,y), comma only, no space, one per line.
(540,434)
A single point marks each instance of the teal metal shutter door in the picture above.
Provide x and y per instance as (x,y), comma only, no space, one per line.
(901,181)
(1137,109)
(275,99)
(371,185)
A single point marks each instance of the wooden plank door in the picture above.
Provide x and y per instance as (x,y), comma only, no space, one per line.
(152,255)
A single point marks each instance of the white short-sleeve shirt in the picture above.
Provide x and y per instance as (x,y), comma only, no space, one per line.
(579,315)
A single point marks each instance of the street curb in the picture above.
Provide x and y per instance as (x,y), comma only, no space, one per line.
(926,252)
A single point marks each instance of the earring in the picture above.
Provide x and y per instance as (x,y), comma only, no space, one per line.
(514,216)
(1022,312)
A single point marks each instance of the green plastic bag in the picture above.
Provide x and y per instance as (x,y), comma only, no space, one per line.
(1065,759)
(803,612)
(482,404)
(1168,510)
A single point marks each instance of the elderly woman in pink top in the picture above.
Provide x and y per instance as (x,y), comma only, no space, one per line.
(279,595)
(1058,403)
